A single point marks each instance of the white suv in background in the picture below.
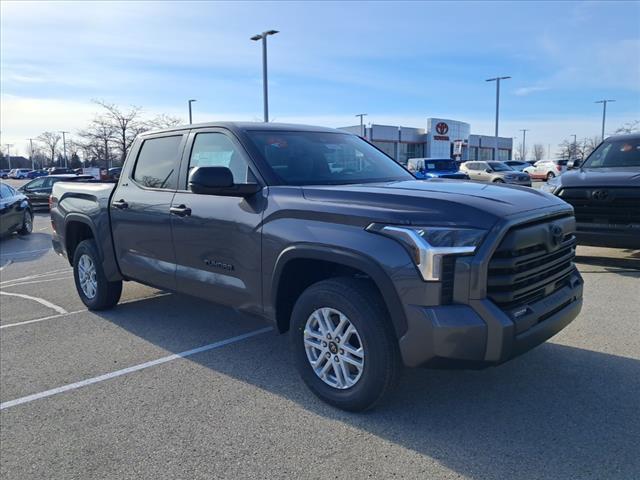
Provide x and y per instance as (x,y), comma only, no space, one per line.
(19,173)
(546,169)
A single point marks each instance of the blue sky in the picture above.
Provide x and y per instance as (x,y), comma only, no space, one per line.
(399,62)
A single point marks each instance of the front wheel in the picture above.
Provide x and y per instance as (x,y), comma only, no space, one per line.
(27,223)
(343,343)
(95,291)
(498,180)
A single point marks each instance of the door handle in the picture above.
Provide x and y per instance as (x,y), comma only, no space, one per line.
(181,211)
(120,204)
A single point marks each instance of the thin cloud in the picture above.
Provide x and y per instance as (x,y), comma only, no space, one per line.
(524,91)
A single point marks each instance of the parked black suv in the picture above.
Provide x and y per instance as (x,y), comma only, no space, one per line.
(605,193)
(331,240)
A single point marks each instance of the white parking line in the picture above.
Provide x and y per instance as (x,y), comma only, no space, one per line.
(28,252)
(41,301)
(39,275)
(51,317)
(135,368)
(9,262)
(35,281)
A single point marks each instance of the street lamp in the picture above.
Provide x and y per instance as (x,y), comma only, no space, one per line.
(575,146)
(190,115)
(263,36)
(31,152)
(604,113)
(361,115)
(9,145)
(64,146)
(524,137)
(497,80)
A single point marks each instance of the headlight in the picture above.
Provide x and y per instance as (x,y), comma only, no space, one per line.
(550,186)
(427,245)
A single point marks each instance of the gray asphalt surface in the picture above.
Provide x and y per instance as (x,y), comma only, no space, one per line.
(568,409)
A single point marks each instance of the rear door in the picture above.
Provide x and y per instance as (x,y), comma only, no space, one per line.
(140,206)
(218,238)
(10,213)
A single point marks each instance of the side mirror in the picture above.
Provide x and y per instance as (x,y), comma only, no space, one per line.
(571,164)
(488,170)
(219,181)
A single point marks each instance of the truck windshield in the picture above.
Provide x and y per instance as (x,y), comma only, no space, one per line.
(617,153)
(324,158)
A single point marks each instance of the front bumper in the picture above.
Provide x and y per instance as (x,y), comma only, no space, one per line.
(481,334)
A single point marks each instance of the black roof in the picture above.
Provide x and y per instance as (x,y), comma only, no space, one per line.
(235,126)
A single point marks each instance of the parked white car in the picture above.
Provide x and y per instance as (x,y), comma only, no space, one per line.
(19,173)
(546,169)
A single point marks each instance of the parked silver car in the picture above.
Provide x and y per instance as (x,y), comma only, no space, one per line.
(494,172)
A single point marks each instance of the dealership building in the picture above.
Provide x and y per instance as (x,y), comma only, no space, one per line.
(443,138)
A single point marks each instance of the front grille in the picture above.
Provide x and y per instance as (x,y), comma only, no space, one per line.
(528,265)
(613,206)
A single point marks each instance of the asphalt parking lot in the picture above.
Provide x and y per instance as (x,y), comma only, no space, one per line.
(123,394)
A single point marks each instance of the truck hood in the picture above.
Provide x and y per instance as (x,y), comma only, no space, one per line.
(601,177)
(443,202)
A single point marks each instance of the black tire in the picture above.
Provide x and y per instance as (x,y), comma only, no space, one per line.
(498,180)
(362,304)
(27,223)
(550,175)
(107,293)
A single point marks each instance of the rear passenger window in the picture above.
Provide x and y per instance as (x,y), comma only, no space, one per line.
(157,164)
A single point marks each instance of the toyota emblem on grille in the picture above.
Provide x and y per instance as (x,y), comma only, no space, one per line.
(556,234)
(600,195)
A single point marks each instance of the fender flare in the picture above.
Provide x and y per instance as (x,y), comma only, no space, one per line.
(349,258)
(81,218)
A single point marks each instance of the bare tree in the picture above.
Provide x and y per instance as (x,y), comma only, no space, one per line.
(97,139)
(163,121)
(629,127)
(126,125)
(538,151)
(50,141)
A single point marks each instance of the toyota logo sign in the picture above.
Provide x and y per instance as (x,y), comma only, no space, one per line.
(600,195)
(442,128)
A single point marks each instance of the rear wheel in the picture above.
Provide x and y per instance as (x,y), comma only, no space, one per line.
(498,180)
(95,291)
(27,223)
(550,175)
(343,343)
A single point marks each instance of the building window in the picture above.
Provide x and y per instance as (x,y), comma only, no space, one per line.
(486,154)
(387,147)
(415,150)
(504,155)
(473,153)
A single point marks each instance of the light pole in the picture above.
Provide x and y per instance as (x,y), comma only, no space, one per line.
(604,113)
(575,145)
(64,146)
(265,90)
(497,80)
(524,138)
(361,115)
(190,115)
(31,152)
(9,145)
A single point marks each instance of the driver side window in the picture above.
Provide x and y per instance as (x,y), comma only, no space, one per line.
(217,150)
(37,183)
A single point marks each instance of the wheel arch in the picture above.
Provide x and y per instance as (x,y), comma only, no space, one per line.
(79,227)
(337,262)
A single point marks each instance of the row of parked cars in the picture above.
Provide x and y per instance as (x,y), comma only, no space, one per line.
(511,171)
(25,173)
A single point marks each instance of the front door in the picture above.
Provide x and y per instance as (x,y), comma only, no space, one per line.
(218,239)
(139,209)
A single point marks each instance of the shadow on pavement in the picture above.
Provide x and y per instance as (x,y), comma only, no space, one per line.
(556,412)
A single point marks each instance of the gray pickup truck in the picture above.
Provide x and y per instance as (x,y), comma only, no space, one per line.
(329,239)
